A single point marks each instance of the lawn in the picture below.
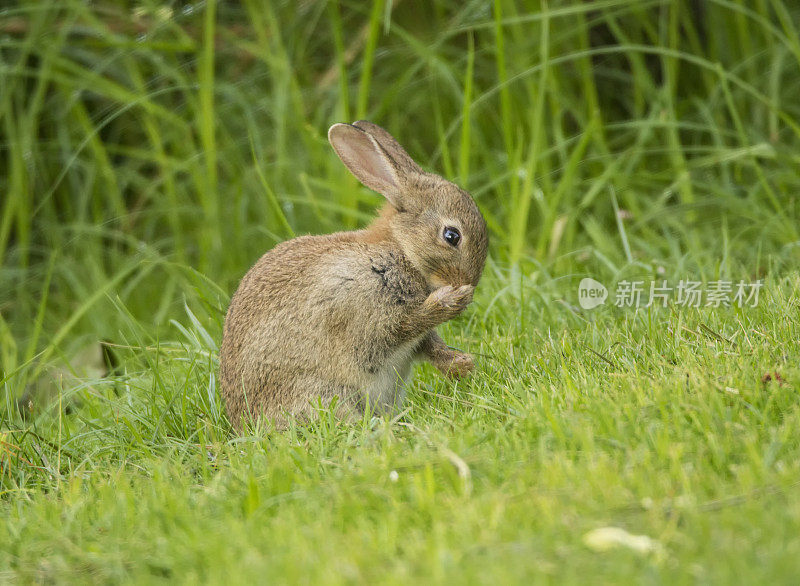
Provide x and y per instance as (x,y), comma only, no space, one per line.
(151,152)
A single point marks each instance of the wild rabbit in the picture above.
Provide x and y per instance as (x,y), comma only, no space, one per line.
(345,315)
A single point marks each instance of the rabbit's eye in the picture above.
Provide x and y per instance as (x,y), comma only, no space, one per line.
(451,235)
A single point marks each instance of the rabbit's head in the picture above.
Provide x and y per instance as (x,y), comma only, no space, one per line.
(436,223)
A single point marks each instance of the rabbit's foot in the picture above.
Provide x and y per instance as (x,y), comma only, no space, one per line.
(454,364)
(442,305)
(447,302)
(447,360)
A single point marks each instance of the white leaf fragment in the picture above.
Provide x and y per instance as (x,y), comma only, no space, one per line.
(607,538)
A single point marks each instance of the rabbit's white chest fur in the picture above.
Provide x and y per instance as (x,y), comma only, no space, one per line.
(386,388)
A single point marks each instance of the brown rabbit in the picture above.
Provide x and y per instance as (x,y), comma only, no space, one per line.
(345,315)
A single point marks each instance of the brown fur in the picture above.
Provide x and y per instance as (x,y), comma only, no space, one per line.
(345,315)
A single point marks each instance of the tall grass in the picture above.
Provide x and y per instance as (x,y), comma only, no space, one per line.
(196,133)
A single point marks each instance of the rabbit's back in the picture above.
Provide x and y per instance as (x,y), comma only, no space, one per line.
(315,317)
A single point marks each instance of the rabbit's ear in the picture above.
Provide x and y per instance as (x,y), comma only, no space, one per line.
(390,145)
(367,160)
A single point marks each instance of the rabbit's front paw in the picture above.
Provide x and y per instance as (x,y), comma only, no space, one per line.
(450,301)
(442,305)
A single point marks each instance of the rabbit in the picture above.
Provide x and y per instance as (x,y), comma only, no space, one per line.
(345,315)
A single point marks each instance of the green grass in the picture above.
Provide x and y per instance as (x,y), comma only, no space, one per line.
(150,152)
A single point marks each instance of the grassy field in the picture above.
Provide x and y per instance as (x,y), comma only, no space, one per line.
(150,152)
